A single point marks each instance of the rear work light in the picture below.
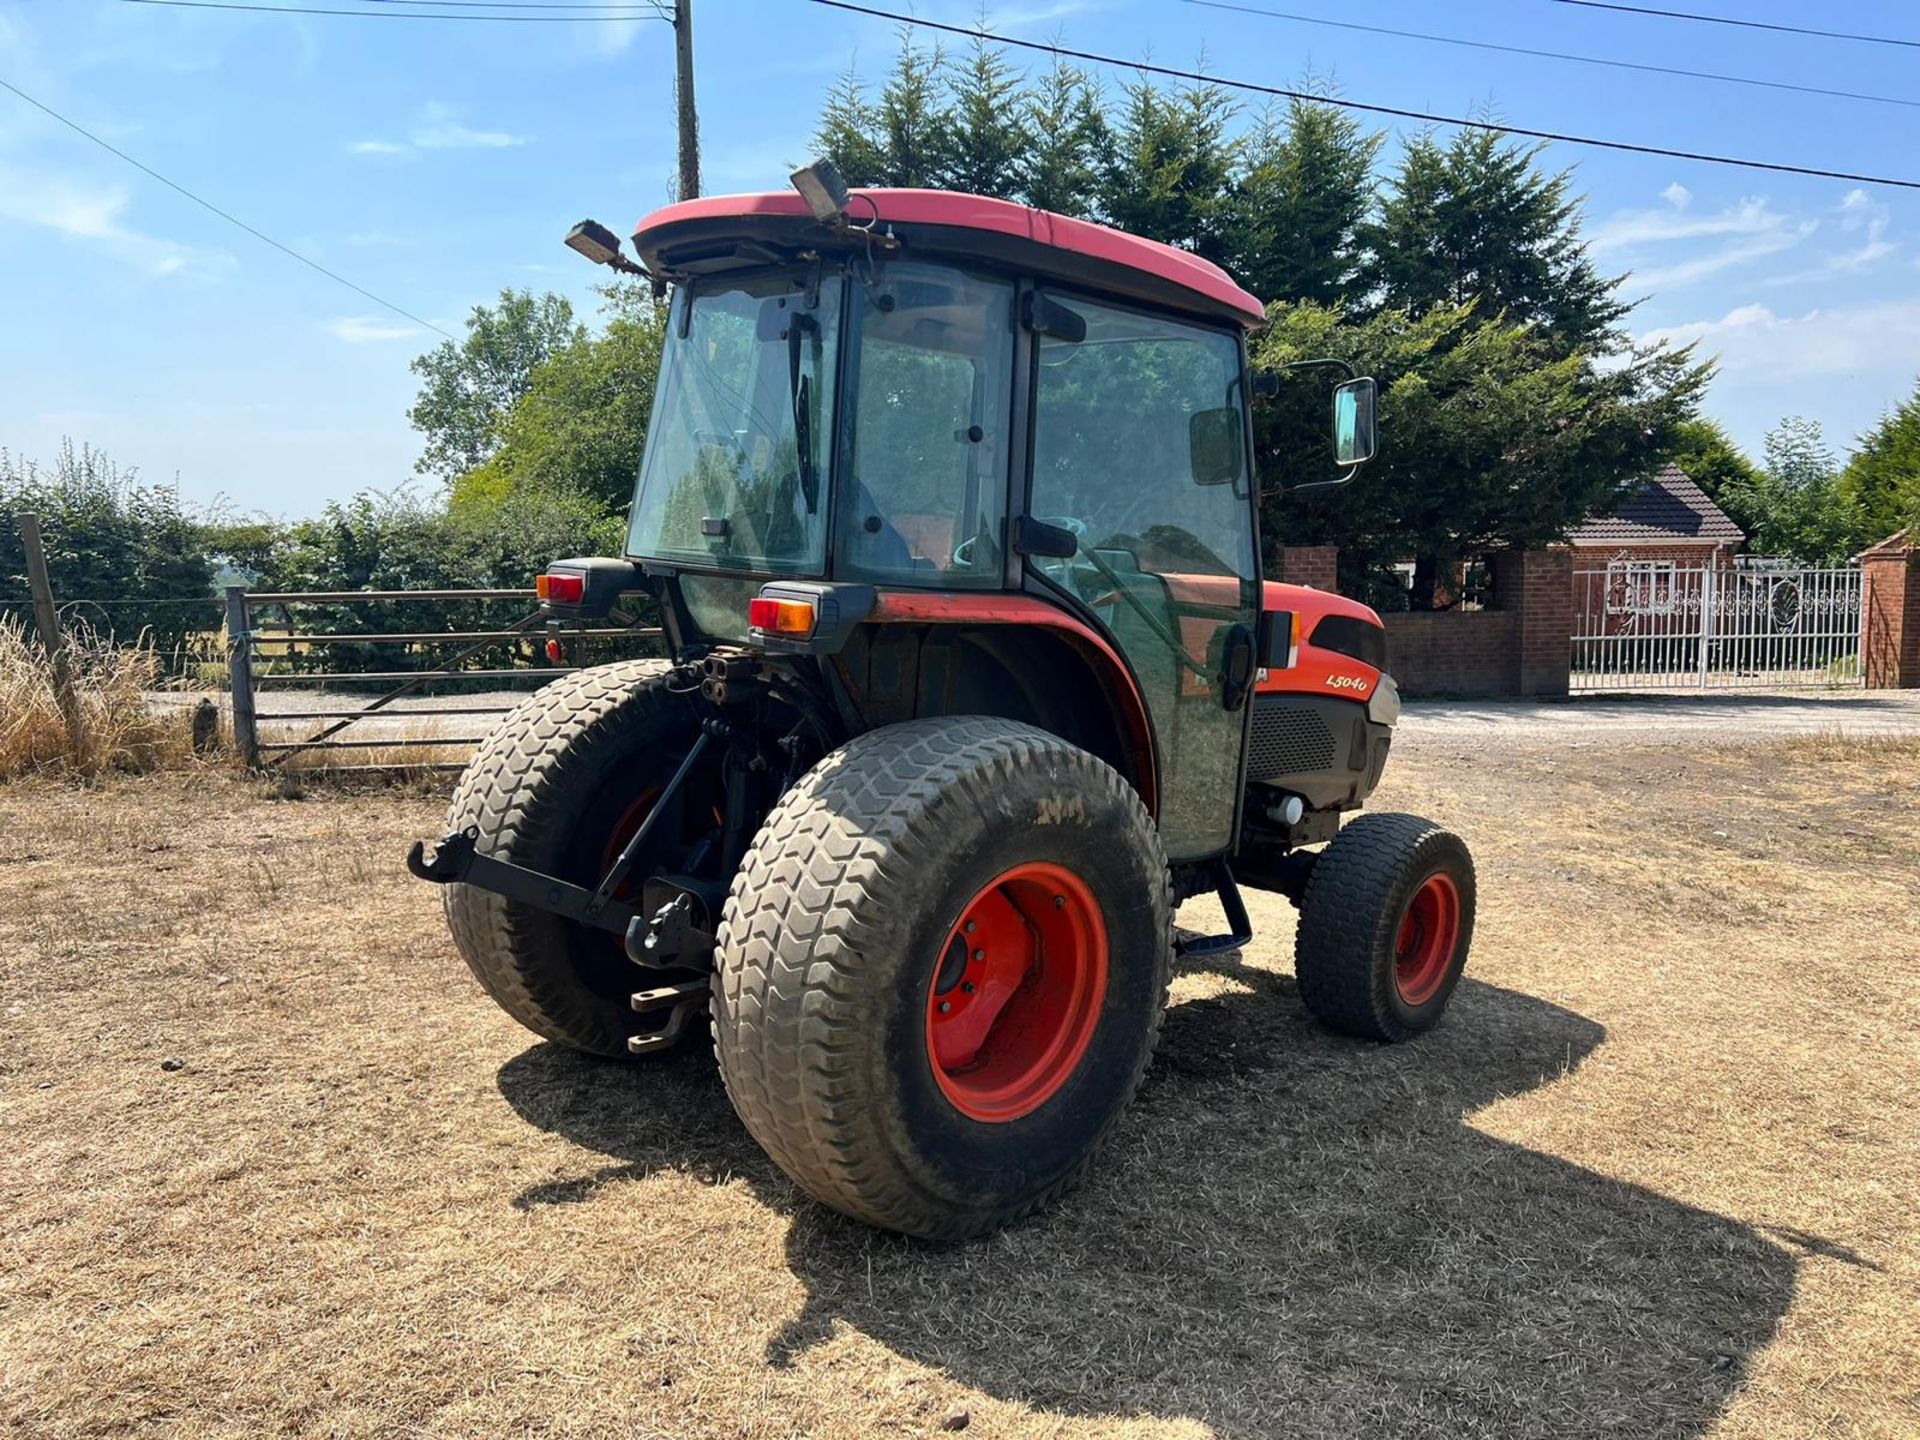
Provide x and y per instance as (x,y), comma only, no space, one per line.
(561,589)
(780,617)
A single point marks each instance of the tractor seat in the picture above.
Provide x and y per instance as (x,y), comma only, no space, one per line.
(929,538)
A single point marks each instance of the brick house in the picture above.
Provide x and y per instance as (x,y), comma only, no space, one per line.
(1668,522)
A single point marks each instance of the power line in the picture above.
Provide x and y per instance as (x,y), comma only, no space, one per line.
(1396,111)
(660,8)
(1554,54)
(231,219)
(646,12)
(1742,24)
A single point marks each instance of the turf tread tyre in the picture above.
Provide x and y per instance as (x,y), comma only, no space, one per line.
(804,948)
(523,791)
(1350,914)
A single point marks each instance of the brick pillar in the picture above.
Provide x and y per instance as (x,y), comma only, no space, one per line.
(1890,616)
(1537,586)
(1315,565)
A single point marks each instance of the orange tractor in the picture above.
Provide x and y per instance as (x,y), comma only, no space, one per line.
(948,510)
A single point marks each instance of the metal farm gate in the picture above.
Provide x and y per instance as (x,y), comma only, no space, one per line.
(1760,624)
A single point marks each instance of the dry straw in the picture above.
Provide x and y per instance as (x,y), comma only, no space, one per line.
(111,683)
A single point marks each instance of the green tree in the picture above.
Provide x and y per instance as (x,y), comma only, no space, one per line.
(468,386)
(1882,478)
(915,123)
(1711,460)
(1295,213)
(581,425)
(1474,219)
(1168,170)
(123,557)
(1066,137)
(1488,437)
(402,541)
(1795,507)
(986,134)
(849,132)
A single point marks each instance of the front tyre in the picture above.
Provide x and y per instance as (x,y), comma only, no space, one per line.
(941,972)
(1385,924)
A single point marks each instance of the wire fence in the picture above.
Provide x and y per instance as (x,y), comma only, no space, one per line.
(364,680)
(342,662)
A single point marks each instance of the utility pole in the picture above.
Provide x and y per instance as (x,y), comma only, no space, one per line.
(683,98)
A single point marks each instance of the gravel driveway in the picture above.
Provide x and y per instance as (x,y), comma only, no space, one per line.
(1683,721)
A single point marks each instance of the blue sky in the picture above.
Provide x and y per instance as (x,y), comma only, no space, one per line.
(435,163)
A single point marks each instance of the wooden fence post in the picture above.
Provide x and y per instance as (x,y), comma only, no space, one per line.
(46,620)
(246,731)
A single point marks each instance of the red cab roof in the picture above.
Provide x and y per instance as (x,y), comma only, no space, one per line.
(939,220)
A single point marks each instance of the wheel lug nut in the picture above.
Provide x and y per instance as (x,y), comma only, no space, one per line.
(969,927)
(966,987)
(979,954)
(1059,902)
(945,1006)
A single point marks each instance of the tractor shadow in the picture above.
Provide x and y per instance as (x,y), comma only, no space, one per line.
(1291,1233)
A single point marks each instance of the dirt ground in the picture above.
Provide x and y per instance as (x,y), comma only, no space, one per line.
(272,1164)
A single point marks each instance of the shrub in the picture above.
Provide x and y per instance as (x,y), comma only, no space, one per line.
(122,729)
(108,534)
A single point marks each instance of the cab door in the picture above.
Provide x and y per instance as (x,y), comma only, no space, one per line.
(1138,453)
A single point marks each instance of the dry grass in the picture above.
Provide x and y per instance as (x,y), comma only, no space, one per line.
(1655,1177)
(110,683)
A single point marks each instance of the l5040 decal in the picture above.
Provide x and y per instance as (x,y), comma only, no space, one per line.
(1346,682)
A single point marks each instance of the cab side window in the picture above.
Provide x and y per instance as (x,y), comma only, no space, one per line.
(924,473)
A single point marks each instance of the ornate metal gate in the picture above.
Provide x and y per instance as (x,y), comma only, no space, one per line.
(1759,624)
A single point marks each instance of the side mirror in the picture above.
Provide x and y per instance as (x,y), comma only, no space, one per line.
(1355,435)
(1215,446)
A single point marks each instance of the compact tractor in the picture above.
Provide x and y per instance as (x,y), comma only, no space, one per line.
(949,514)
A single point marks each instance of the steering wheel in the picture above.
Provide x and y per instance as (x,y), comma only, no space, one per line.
(963,552)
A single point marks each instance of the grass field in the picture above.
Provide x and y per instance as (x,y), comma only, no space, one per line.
(272,1164)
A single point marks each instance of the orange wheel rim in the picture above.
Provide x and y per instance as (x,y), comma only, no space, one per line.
(1429,933)
(1017,993)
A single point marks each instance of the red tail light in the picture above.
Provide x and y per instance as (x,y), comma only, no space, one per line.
(780,617)
(561,589)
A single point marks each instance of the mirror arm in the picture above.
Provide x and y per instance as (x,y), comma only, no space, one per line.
(1333,484)
(1344,366)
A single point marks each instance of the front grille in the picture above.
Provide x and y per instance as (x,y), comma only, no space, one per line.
(1287,739)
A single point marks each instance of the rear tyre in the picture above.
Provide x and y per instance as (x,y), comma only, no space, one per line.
(1384,927)
(559,786)
(941,972)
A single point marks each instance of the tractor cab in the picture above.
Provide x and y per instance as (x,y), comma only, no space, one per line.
(948,510)
(920,404)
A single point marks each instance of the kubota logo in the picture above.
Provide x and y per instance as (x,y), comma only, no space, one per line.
(1346,682)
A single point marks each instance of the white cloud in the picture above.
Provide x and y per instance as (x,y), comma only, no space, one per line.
(1660,248)
(368,329)
(1736,252)
(438,128)
(1630,229)
(1756,341)
(616,37)
(1020,17)
(1863,217)
(93,213)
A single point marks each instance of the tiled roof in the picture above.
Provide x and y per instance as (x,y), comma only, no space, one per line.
(1666,507)
(1898,543)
